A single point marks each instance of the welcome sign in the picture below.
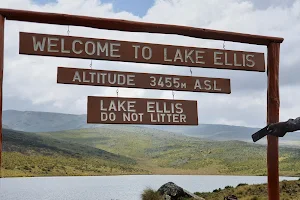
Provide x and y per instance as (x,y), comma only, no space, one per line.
(126,51)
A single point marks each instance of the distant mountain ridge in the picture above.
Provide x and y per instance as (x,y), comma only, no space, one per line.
(32,121)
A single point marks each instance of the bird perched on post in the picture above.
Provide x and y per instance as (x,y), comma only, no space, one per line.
(281,128)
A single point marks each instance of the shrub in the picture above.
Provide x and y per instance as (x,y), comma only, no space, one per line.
(217,190)
(242,184)
(150,194)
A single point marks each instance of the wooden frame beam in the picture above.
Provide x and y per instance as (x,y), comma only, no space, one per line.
(2,21)
(273,104)
(131,26)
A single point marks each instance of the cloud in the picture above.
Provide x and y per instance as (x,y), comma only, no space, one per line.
(30,81)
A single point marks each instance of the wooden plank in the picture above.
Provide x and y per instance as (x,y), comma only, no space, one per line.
(127,51)
(93,77)
(133,26)
(2,21)
(273,102)
(116,110)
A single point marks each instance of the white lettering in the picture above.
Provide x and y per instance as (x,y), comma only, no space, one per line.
(226,60)
(38,44)
(92,76)
(235,60)
(102,48)
(215,86)
(198,56)
(178,55)
(112,106)
(166,55)
(207,84)
(87,48)
(76,77)
(249,60)
(150,105)
(176,118)
(144,52)
(136,48)
(121,106)
(130,79)
(178,106)
(197,84)
(188,56)
(112,49)
(85,80)
(74,46)
(50,44)
(182,118)
(121,79)
(101,106)
(216,53)
(131,105)
(63,46)
(103,116)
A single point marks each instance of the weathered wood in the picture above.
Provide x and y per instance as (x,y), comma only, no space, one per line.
(273,117)
(128,51)
(133,26)
(1,82)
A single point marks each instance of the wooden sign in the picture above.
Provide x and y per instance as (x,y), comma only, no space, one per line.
(142,80)
(126,51)
(116,110)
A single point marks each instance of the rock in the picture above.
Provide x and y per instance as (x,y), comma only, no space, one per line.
(193,195)
(171,191)
(167,197)
(231,197)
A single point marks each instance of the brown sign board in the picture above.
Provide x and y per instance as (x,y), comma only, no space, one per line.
(116,110)
(127,51)
(93,77)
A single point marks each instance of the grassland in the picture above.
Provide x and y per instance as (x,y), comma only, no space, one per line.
(289,190)
(133,150)
(165,153)
(27,154)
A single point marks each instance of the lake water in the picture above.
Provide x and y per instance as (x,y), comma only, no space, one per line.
(112,187)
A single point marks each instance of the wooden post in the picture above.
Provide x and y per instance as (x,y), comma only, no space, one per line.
(273,102)
(1,83)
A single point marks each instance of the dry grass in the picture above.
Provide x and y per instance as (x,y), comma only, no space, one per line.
(150,194)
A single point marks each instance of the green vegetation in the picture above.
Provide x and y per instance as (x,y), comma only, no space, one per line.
(27,154)
(289,190)
(16,164)
(150,194)
(165,153)
(134,150)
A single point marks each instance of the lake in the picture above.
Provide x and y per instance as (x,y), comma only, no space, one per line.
(127,187)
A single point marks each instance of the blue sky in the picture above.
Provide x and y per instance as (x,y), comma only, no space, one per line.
(137,7)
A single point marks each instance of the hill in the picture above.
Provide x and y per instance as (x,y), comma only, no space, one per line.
(30,121)
(162,152)
(31,154)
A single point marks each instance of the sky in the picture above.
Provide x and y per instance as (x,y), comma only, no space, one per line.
(30,81)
